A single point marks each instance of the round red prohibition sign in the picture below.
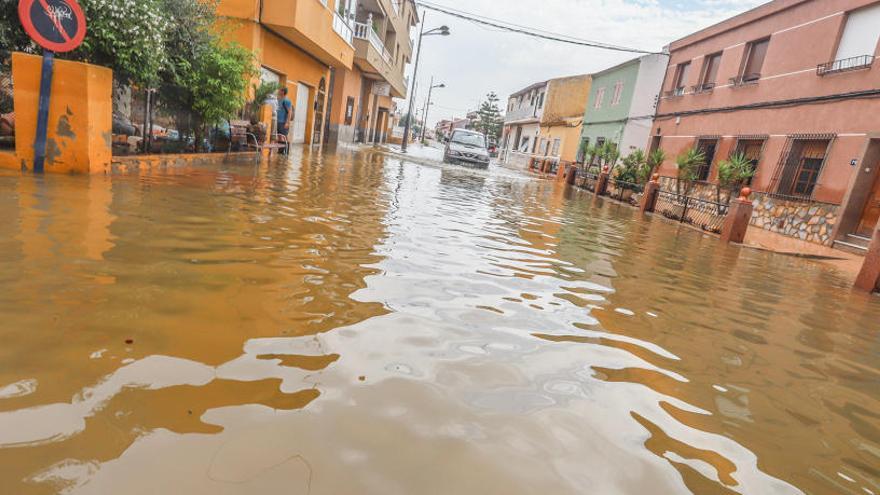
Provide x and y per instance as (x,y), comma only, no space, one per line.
(56,25)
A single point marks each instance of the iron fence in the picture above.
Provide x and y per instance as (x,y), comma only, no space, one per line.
(7,110)
(623,190)
(589,181)
(706,215)
(845,65)
(145,122)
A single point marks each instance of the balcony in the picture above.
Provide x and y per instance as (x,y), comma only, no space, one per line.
(375,60)
(845,65)
(343,29)
(311,25)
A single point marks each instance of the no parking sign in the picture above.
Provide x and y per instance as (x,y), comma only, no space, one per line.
(57,26)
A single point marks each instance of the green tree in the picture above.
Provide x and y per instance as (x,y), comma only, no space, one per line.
(204,79)
(688,164)
(656,159)
(489,120)
(127,36)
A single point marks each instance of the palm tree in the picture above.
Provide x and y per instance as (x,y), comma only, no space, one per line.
(688,164)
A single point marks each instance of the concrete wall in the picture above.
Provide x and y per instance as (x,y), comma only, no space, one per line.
(348,84)
(80,116)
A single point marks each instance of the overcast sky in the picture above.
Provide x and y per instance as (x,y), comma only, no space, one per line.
(476,59)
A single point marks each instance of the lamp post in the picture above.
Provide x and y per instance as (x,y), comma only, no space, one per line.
(428,105)
(440,31)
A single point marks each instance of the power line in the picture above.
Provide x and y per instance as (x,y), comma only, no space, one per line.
(528,31)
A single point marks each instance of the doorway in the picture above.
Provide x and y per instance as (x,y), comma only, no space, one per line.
(871,212)
(300,115)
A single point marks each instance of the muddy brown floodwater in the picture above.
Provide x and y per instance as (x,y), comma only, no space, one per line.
(357,324)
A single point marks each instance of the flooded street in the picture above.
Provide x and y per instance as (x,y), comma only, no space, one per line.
(358,324)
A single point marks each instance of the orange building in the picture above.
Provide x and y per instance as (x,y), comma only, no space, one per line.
(362,109)
(342,61)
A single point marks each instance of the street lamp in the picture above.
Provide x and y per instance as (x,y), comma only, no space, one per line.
(428,105)
(440,31)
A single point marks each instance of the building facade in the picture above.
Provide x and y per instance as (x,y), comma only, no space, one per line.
(342,61)
(622,103)
(363,96)
(792,85)
(544,120)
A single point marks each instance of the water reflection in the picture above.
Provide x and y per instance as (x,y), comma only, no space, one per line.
(351,323)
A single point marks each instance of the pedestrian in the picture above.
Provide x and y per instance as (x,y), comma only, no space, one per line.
(285,113)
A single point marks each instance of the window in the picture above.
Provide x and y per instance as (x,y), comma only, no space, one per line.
(681,77)
(524,144)
(557,143)
(349,110)
(618,89)
(756,51)
(708,147)
(600,95)
(710,72)
(752,149)
(541,101)
(545,146)
(858,43)
(269,76)
(861,33)
(802,166)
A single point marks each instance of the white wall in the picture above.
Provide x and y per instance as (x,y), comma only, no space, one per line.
(649,82)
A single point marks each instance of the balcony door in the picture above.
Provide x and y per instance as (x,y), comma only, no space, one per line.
(300,115)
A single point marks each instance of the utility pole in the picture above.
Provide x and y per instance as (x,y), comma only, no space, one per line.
(440,31)
(428,105)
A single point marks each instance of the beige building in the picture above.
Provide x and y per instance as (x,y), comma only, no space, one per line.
(544,120)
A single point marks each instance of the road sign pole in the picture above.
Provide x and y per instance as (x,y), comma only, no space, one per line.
(43,111)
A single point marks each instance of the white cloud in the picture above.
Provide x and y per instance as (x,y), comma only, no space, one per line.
(478,59)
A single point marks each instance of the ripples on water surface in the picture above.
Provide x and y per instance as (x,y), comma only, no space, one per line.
(356,324)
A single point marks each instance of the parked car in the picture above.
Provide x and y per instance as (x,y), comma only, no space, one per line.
(493,147)
(467,147)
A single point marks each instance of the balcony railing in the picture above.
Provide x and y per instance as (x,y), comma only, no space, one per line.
(366,32)
(845,65)
(342,28)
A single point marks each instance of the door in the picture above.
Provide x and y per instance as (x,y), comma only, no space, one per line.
(872,211)
(300,115)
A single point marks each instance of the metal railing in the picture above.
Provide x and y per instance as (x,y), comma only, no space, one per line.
(589,181)
(340,25)
(366,32)
(623,190)
(706,215)
(845,65)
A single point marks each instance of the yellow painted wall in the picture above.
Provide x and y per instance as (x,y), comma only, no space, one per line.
(567,97)
(569,133)
(80,115)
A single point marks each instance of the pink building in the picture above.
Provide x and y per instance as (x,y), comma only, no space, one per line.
(793,85)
